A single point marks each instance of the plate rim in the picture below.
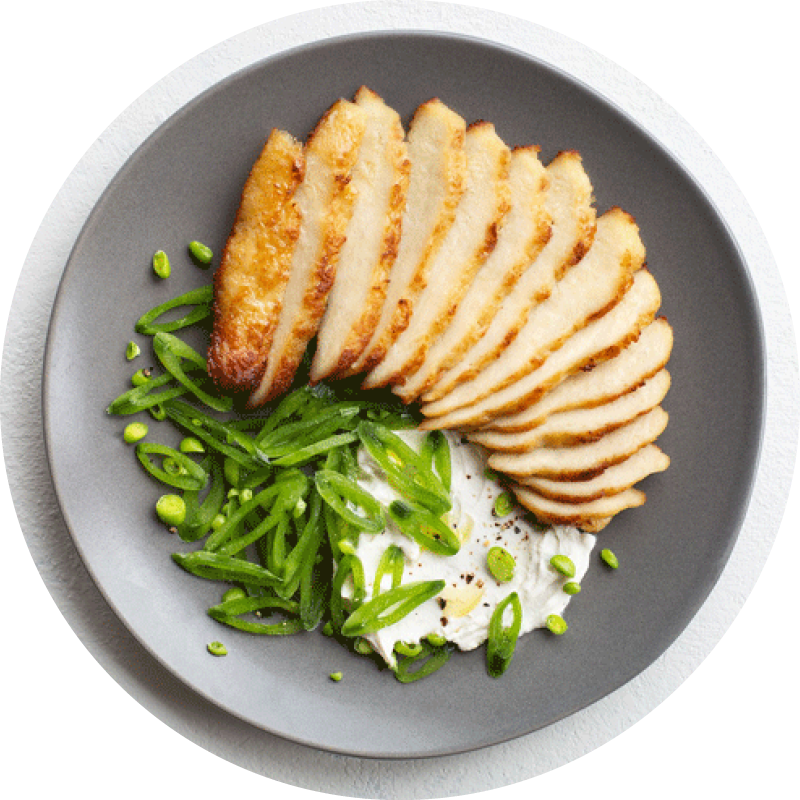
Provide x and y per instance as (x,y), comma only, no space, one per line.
(49,399)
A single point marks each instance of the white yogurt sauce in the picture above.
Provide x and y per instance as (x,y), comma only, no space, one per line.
(471,593)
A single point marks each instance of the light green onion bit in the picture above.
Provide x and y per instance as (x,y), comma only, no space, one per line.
(336,676)
(134,432)
(236,593)
(556,625)
(201,252)
(191,445)
(436,639)
(501,564)
(171,509)
(217,649)
(363,647)
(406,649)
(609,558)
(161,265)
(218,521)
(132,350)
(564,565)
(503,505)
(140,377)
(571,587)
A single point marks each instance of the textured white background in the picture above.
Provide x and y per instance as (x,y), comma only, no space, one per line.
(68,70)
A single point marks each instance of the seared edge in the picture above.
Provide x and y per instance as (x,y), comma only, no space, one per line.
(581,424)
(612,480)
(569,204)
(436,183)
(380,180)
(583,461)
(524,232)
(326,200)
(602,384)
(590,517)
(599,341)
(252,276)
(587,292)
(465,247)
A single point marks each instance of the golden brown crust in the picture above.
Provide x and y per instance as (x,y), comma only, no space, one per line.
(250,281)
(444,319)
(631,261)
(458,256)
(515,443)
(536,394)
(361,332)
(455,172)
(332,147)
(590,517)
(639,310)
(483,297)
(570,491)
(519,423)
(564,171)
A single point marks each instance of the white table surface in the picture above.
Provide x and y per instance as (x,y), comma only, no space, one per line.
(78,689)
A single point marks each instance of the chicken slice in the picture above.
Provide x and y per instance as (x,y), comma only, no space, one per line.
(607,381)
(584,461)
(613,480)
(568,202)
(525,231)
(325,199)
(436,182)
(465,247)
(251,279)
(380,181)
(599,341)
(590,517)
(587,291)
(581,424)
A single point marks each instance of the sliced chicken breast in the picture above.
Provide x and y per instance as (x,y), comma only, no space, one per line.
(568,202)
(630,369)
(251,279)
(464,249)
(613,480)
(380,182)
(525,231)
(599,341)
(590,517)
(436,183)
(325,199)
(581,424)
(584,293)
(584,461)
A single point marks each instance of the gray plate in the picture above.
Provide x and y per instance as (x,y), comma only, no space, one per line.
(184,183)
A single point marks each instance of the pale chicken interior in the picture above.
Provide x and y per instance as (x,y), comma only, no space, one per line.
(647,461)
(325,201)
(583,460)
(581,424)
(602,339)
(605,382)
(379,181)
(569,204)
(436,183)
(586,290)
(586,515)
(525,231)
(465,247)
